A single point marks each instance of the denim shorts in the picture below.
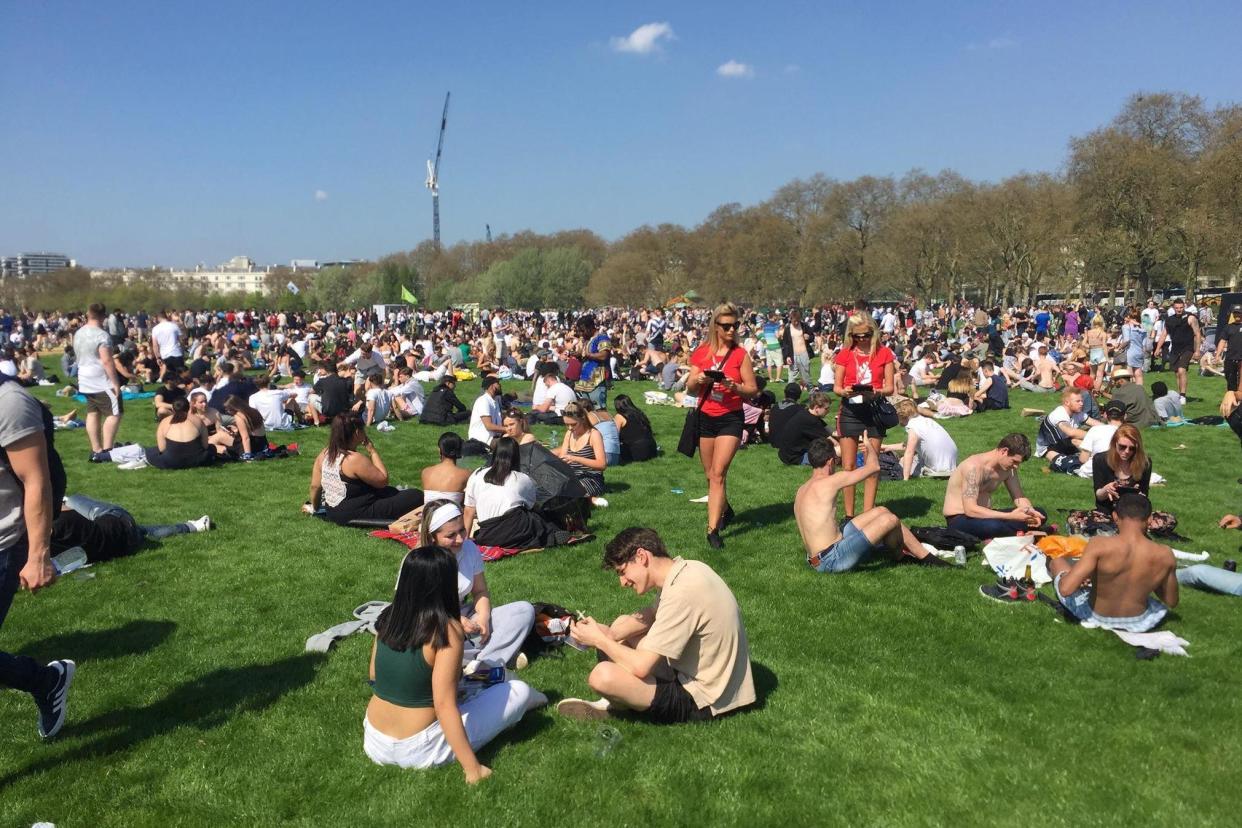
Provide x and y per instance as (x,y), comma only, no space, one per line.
(848,552)
(1079,603)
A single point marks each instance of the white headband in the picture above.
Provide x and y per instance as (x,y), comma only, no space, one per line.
(443,515)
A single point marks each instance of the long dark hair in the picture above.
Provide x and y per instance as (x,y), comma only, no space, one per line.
(180,410)
(344,426)
(235,405)
(631,412)
(505,459)
(450,446)
(425,602)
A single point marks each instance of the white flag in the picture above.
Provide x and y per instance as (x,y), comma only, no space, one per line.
(293,288)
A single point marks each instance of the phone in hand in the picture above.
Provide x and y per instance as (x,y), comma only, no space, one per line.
(715,376)
(860,388)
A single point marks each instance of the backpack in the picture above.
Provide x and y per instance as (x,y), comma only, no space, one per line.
(942,537)
(573,370)
(552,622)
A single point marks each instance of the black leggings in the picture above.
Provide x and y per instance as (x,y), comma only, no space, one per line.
(377,504)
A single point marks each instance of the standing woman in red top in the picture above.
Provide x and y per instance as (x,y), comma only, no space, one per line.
(721,376)
(864,371)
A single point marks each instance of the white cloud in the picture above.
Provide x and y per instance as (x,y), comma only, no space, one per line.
(321,195)
(644,40)
(734,69)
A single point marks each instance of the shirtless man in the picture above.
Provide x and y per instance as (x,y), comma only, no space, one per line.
(1112,583)
(829,549)
(968,497)
(1046,369)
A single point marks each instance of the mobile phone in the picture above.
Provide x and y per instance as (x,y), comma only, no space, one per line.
(717,376)
(861,389)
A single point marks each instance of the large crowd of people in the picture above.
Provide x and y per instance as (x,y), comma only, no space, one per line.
(224,384)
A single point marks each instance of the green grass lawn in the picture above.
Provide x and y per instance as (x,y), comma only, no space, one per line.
(888,695)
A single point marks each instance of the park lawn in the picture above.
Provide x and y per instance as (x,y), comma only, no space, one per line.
(888,695)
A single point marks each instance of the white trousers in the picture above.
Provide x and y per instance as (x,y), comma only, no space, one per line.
(486,715)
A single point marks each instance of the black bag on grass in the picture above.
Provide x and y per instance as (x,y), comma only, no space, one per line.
(943,537)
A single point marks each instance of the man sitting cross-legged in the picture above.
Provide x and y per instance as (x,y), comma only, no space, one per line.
(968,497)
(830,549)
(1112,583)
(685,658)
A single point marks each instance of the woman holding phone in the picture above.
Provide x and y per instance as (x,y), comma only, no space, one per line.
(721,376)
(353,485)
(863,371)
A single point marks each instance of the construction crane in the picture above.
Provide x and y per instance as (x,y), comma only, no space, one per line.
(433,176)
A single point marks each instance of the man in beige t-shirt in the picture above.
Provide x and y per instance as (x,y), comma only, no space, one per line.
(685,658)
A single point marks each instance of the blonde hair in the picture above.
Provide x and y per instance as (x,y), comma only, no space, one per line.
(862,320)
(962,385)
(1097,321)
(713,337)
(907,410)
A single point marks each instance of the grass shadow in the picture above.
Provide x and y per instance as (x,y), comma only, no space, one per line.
(909,506)
(134,638)
(616,486)
(203,703)
(765,684)
(759,518)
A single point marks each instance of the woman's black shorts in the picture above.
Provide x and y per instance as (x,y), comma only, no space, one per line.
(855,419)
(726,425)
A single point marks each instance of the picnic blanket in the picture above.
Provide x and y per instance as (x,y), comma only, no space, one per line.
(125,395)
(489,553)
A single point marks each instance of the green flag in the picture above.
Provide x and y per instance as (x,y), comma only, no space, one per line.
(406,296)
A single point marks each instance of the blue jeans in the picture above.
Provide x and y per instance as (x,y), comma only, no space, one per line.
(984,528)
(19,672)
(1211,578)
(91,509)
(599,396)
(851,549)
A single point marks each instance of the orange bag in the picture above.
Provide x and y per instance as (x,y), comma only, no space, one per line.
(1060,546)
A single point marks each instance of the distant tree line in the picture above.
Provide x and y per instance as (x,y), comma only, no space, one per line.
(1152,199)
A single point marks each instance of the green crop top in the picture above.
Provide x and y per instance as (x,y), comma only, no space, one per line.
(403,679)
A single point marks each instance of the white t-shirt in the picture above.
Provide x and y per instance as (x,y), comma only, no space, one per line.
(91,375)
(270,403)
(539,395)
(469,564)
(383,403)
(936,449)
(486,407)
(562,395)
(1059,415)
(412,394)
(918,372)
(490,501)
(1097,440)
(168,336)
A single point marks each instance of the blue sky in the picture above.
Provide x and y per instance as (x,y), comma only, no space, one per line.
(176,132)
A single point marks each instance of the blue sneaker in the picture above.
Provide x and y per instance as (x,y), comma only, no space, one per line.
(52,705)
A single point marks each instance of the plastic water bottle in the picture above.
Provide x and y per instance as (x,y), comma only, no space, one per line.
(69,560)
(607,741)
(959,555)
(552,442)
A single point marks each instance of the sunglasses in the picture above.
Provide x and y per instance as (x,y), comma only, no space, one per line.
(1125,447)
(727,326)
(860,336)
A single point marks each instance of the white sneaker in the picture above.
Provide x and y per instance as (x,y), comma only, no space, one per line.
(599,502)
(521,663)
(583,709)
(203,524)
(1183,396)
(536,701)
(134,465)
